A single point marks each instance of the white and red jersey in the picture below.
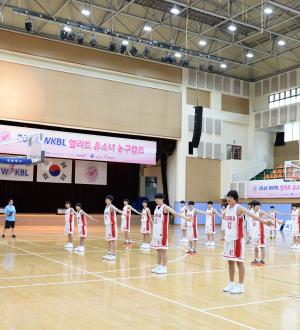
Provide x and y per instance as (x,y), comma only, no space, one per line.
(126,217)
(258,232)
(69,221)
(110,221)
(234,224)
(81,223)
(274,223)
(160,228)
(210,221)
(145,221)
(192,231)
(183,211)
(295,222)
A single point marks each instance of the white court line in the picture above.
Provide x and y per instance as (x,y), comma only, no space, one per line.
(174,302)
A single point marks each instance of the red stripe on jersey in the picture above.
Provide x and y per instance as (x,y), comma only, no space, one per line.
(112,219)
(262,233)
(238,248)
(213,222)
(195,226)
(165,230)
(148,222)
(127,218)
(299,223)
(83,230)
(83,220)
(240,227)
(70,222)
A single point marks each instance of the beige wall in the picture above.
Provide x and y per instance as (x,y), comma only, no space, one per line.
(32,45)
(290,151)
(203,179)
(235,104)
(198,97)
(63,99)
(154,171)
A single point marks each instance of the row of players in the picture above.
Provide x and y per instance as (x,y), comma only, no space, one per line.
(233,216)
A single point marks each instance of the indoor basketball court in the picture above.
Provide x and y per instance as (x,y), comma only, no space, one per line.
(149,164)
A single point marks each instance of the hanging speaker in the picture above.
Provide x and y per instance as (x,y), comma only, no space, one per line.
(279,141)
(197,126)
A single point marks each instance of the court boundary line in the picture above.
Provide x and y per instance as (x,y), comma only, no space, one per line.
(186,306)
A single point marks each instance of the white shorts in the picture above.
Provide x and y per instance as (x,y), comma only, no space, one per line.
(210,227)
(145,227)
(223,224)
(159,238)
(111,232)
(69,227)
(295,229)
(125,224)
(192,233)
(234,250)
(183,224)
(82,231)
(258,242)
(248,226)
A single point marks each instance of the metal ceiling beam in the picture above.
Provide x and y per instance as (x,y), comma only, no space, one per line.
(284,7)
(117,12)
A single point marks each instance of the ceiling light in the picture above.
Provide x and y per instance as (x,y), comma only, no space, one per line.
(223,65)
(232,27)
(67,28)
(85,12)
(202,43)
(281,42)
(177,55)
(147,28)
(268,10)
(125,42)
(250,55)
(175,10)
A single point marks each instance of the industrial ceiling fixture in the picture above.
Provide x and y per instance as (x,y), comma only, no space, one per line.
(80,38)
(175,10)
(232,28)
(133,51)
(28,24)
(93,41)
(147,27)
(202,43)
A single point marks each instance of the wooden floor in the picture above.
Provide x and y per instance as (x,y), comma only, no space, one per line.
(42,286)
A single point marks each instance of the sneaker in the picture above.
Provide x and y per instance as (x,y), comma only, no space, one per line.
(79,249)
(254,263)
(212,243)
(147,246)
(142,246)
(111,257)
(13,236)
(185,240)
(229,287)
(154,270)
(106,255)
(298,247)
(261,263)
(294,246)
(194,251)
(3,236)
(182,240)
(162,270)
(207,243)
(189,251)
(69,246)
(239,288)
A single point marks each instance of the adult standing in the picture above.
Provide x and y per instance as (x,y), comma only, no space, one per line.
(10,218)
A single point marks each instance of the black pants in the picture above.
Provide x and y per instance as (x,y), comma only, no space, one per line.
(9,224)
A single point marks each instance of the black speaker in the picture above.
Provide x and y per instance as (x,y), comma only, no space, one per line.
(197,126)
(279,141)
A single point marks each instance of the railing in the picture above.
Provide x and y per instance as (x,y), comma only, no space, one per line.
(237,177)
(247,156)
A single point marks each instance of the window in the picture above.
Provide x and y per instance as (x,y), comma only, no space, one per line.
(291,132)
(234,152)
(280,99)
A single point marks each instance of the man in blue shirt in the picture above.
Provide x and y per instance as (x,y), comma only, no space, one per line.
(10,218)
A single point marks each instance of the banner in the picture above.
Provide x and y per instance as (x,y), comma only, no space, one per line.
(90,172)
(12,172)
(292,170)
(80,146)
(273,189)
(55,171)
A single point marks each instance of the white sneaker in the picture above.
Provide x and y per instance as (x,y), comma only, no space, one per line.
(154,270)
(185,240)
(294,246)
(68,246)
(106,256)
(142,246)
(298,247)
(239,288)
(162,270)
(212,243)
(79,249)
(111,257)
(207,243)
(146,246)
(229,287)
(182,240)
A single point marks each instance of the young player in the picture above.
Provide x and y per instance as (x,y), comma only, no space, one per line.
(82,226)
(10,218)
(273,227)
(258,234)
(234,246)
(69,224)
(210,223)
(160,232)
(192,231)
(296,226)
(126,218)
(249,221)
(146,225)
(183,210)
(223,210)
(111,229)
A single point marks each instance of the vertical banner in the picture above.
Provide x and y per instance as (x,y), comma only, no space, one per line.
(90,172)
(55,171)
(11,172)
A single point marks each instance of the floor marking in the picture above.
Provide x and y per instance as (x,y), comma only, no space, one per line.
(174,302)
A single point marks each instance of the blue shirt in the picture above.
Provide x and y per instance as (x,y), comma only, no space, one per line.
(10,212)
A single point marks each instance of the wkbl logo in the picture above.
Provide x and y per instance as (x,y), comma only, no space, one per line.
(13,171)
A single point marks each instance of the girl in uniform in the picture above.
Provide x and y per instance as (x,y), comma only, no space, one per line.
(146,225)
(126,219)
